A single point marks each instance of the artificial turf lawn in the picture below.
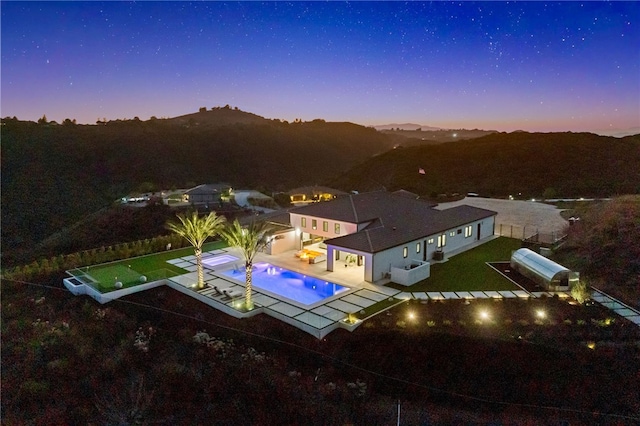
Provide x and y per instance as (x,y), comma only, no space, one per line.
(153,266)
(468,271)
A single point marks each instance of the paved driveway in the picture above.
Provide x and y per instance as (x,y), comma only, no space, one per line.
(532,216)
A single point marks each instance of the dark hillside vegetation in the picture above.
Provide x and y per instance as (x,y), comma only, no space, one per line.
(605,246)
(54,175)
(567,164)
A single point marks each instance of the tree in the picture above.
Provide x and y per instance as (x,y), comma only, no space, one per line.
(43,120)
(249,240)
(196,229)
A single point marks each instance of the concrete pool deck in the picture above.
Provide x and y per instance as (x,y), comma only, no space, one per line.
(318,319)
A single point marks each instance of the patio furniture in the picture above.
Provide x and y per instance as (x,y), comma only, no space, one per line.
(233,294)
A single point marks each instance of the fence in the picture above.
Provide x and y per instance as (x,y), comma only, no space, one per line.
(530,234)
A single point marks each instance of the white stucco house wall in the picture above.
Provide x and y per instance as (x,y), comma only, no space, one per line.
(388,235)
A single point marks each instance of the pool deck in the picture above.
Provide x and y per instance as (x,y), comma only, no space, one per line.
(320,318)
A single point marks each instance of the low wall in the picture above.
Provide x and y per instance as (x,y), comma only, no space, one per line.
(103,298)
(410,275)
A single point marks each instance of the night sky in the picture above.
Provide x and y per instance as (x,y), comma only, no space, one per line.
(533,66)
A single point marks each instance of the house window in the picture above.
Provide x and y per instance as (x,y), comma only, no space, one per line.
(325,226)
(459,231)
(314,224)
(417,247)
(452,233)
(303,222)
(442,240)
(336,228)
(468,231)
(405,252)
(430,241)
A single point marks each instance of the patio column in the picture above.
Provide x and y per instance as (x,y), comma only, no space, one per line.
(330,258)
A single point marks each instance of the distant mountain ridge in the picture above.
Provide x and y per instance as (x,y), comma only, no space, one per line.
(405,126)
(532,164)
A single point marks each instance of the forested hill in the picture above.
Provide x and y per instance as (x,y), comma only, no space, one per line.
(553,164)
(53,175)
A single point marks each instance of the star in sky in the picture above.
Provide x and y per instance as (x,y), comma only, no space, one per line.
(494,65)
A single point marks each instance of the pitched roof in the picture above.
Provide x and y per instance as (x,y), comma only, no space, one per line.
(208,188)
(390,219)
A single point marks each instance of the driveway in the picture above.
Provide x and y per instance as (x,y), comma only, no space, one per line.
(242,199)
(517,217)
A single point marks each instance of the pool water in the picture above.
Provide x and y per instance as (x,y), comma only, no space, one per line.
(218,260)
(288,284)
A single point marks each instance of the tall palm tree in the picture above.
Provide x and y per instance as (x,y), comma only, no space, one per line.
(249,240)
(196,230)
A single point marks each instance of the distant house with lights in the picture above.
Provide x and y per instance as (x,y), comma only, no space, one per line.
(311,194)
(386,235)
(207,193)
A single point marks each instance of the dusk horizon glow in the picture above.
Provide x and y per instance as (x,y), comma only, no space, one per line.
(530,66)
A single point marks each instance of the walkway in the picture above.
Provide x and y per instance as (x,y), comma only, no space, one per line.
(616,306)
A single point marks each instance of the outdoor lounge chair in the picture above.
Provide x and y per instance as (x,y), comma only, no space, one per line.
(219,291)
(232,294)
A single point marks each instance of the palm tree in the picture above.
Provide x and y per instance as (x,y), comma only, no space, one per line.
(196,230)
(249,240)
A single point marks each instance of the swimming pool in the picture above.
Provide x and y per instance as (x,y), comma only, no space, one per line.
(288,284)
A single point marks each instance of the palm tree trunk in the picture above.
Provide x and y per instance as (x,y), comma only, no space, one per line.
(200,269)
(247,288)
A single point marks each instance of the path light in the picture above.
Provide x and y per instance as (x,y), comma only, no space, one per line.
(541,314)
(484,315)
(411,315)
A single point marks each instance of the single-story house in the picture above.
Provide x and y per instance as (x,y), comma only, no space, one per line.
(207,193)
(387,235)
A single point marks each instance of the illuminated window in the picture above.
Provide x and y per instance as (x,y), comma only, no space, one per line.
(314,224)
(325,226)
(405,252)
(303,222)
(452,233)
(336,228)
(468,231)
(442,240)
(417,247)
(430,241)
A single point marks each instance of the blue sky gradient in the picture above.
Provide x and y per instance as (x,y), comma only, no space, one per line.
(535,66)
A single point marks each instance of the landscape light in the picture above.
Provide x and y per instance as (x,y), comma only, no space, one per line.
(484,315)
(541,314)
(412,316)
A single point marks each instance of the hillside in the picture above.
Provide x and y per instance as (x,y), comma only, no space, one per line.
(530,164)
(432,137)
(54,175)
(218,116)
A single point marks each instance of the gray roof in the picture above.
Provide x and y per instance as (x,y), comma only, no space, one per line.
(209,189)
(390,219)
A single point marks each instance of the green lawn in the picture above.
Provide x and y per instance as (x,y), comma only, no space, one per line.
(128,271)
(468,271)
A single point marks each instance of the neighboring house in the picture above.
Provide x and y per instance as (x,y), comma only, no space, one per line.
(387,235)
(207,193)
(311,194)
